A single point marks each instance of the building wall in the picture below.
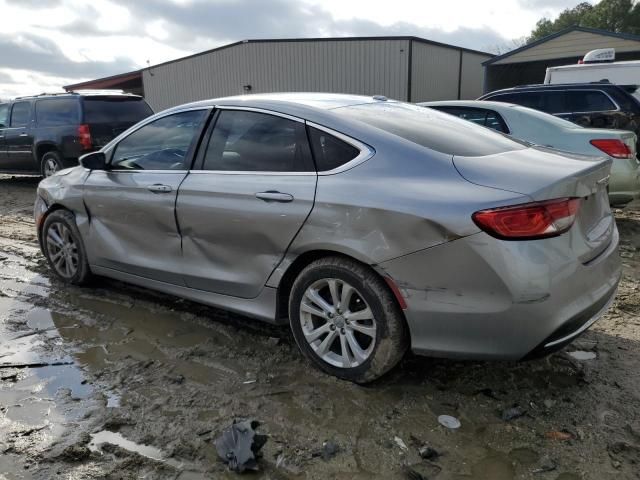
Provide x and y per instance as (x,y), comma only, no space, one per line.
(472,77)
(367,67)
(571,44)
(434,74)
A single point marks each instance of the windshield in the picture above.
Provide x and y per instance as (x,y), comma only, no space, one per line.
(432,129)
(115,110)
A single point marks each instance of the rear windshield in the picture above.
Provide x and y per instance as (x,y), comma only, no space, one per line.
(115,110)
(432,129)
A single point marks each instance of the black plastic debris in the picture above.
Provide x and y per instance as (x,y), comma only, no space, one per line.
(513,413)
(428,453)
(239,446)
(329,450)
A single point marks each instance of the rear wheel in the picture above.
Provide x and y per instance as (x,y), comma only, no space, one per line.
(346,321)
(51,163)
(64,249)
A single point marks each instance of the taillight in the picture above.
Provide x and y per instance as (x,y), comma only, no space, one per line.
(613,147)
(529,221)
(84,137)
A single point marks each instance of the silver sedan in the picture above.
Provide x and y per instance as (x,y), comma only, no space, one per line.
(371,226)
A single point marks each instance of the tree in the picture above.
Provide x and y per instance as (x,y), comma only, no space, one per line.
(620,16)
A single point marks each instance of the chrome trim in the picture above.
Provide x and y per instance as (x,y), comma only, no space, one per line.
(139,171)
(593,320)
(259,110)
(146,121)
(366,152)
(242,172)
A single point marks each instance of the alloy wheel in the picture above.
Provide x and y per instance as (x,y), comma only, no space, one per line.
(62,249)
(50,167)
(337,323)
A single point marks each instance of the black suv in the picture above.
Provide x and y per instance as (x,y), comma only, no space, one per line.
(594,105)
(45,133)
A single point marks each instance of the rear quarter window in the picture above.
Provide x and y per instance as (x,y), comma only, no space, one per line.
(435,130)
(115,110)
(330,152)
(57,112)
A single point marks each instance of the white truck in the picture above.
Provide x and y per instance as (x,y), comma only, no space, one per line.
(597,66)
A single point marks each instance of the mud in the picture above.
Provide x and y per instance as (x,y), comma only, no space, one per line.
(119,382)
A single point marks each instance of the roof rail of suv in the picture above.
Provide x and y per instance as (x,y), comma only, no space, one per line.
(79,92)
(43,94)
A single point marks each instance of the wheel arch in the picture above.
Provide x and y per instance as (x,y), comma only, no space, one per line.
(45,147)
(53,208)
(299,263)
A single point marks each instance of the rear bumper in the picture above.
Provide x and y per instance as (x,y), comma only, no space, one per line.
(624,183)
(482,298)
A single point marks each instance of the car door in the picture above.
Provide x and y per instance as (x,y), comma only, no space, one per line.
(239,211)
(131,204)
(18,138)
(4,123)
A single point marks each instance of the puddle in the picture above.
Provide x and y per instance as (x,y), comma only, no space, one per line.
(582,355)
(115,438)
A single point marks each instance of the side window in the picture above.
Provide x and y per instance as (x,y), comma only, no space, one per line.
(257,142)
(588,101)
(59,111)
(554,102)
(4,113)
(330,152)
(160,145)
(495,122)
(526,99)
(20,114)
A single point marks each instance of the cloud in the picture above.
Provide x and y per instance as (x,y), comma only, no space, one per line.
(39,54)
(555,5)
(35,3)
(228,20)
(6,78)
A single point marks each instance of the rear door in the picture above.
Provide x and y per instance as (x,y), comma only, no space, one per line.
(109,116)
(4,123)
(18,138)
(241,209)
(132,204)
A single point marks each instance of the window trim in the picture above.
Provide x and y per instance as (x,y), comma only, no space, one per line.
(366,152)
(110,148)
(615,104)
(200,157)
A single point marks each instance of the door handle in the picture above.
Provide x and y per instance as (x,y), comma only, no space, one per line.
(159,188)
(23,135)
(273,196)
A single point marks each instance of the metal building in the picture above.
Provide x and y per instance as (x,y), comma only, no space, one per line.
(528,64)
(403,68)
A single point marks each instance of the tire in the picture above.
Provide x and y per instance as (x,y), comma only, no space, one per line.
(50,163)
(62,246)
(386,340)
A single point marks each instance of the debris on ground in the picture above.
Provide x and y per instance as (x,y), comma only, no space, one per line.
(400,443)
(558,435)
(513,413)
(547,464)
(582,355)
(449,422)
(428,453)
(239,446)
(329,450)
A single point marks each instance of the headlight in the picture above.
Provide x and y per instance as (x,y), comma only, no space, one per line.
(39,209)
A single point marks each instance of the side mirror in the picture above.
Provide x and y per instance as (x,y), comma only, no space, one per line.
(94,161)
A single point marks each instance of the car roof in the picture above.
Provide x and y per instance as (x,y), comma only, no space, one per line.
(555,86)
(292,103)
(78,94)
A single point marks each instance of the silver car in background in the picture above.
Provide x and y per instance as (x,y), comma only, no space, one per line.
(369,225)
(547,130)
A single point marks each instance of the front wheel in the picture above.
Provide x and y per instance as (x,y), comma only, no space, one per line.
(346,321)
(63,247)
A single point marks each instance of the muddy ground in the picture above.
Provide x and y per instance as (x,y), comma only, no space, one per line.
(119,382)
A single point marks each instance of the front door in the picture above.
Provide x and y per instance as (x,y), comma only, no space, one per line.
(240,211)
(18,138)
(131,205)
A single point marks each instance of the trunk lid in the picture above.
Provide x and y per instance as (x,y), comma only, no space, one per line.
(544,174)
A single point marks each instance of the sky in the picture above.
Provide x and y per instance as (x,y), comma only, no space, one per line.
(45,44)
